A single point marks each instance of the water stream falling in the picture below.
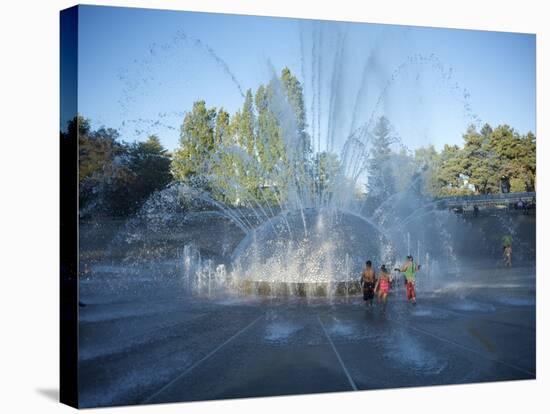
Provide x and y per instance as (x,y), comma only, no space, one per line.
(314,241)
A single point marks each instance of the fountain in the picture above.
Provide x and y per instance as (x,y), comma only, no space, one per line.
(325,249)
(308,240)
(252,248)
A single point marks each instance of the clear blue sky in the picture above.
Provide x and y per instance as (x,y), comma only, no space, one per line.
(137,72)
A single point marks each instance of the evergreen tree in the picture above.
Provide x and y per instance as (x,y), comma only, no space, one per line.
(450,170)
(150,167)
(428,160)
(197,143)
(246,126)
(515,155)
(381,181)
(272,155)
(271,148)
(222,134)
(328,166)
(115,177)
(301,167)
(478,160)
(529,160)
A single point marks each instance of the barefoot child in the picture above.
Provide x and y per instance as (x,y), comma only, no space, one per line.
(409,269)
(368,280)
(508,256)
(383,286)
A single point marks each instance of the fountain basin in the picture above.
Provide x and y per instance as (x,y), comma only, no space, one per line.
(307,250)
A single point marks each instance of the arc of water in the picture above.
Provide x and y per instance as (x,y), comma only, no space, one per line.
(319,83)
(392,198)
(421,60)
(313,83)
(245,227)
(334,89)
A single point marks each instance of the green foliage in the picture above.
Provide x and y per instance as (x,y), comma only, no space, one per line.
(150,167)
(262,154)
(328,167)
(484,159)
(477,160)
(294,92)
(97,150)
(381,177)
(517,185)
(197,142)
(403,168)
(427,160)
(451,165)
(115,178)
(244,157)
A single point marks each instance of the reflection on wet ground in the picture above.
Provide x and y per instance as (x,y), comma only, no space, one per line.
(145,341)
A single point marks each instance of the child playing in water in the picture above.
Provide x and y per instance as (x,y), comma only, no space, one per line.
(383,286)
(409,269)
(368,280)
(508,256)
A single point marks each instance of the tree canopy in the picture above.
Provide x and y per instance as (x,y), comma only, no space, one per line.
(115,177)
(262,155)
(476,167)
(257,155)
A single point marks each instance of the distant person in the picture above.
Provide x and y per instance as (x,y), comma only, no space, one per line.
(368,281)
(508,256)
(506,241)
(410,268)
(383,286)
(476,210)
(520,204)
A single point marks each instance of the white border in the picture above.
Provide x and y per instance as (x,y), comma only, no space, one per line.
(29,207)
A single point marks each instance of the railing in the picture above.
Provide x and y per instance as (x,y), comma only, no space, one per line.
(504,198)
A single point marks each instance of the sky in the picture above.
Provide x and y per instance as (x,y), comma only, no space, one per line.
(140,70)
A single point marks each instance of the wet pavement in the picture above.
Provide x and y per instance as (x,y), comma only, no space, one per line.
(169,347)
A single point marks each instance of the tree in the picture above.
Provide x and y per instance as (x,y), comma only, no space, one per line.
(230,169)
(283,145)
(223,132)
(104,173)
(246,125)
(250,145)
(295,96)
(403,168)
(197,143)
(300,151)
(529,160)
(428,160)
(487,156)
(381,182)
(478,160)
(450,170)
(96,149)
(271,148)
(517,157)
(115,177)
(150,167)
(328,166)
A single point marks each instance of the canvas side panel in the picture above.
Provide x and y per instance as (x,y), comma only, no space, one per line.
(69,207)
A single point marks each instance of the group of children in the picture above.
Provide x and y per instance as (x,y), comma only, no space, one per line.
(381,284)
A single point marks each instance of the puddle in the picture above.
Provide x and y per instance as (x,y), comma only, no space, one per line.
(278,332)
